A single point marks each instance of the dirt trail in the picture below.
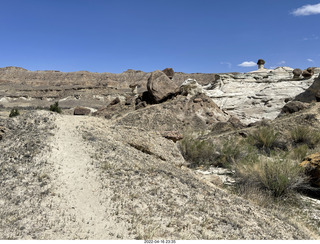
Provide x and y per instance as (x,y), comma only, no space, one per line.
(83,205)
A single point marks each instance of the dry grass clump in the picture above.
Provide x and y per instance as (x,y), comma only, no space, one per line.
(200,152)
(300,152)
(197,152)
(265,139)
(305,135)
(276,176)
(266,161)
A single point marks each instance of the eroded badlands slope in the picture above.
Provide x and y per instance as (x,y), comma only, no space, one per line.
(67,177)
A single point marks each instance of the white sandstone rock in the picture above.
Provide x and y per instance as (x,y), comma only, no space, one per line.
(257,95)
(191,87)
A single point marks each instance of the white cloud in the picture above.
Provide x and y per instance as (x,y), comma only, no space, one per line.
(307,10)
(282,62)
(310,60)
(247,64)
(311,38)
(227,63)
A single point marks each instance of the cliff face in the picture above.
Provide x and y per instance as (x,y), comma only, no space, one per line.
(258,95)
(22,76)
(29,89)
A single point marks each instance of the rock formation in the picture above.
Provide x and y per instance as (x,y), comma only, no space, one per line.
(261,63)
(160,86)
(178,114)
(191,87)
(255,96)
(248,96)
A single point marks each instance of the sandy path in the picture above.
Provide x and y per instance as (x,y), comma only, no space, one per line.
(82,202)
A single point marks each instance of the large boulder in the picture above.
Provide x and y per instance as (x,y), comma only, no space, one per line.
(297,73)
(160,87)
(311,164)
(293,107)
(309,72)
(169,72)
(310,94)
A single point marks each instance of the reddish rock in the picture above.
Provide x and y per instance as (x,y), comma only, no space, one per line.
(311,164)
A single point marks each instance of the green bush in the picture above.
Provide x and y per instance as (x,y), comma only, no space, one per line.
(55,108)
(276,176)
(305,135)
(264,138)
(14,112)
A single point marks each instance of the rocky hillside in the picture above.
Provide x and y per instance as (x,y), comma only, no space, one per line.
(116,170)
(66,177)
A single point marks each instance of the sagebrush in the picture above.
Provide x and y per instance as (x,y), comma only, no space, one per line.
(14,112)
(55,108)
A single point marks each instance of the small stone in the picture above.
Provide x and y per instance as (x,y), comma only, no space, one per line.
(172,135)
(115,101)
(81,111)
(197,100)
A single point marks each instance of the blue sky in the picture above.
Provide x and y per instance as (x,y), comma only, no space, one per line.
(207,36)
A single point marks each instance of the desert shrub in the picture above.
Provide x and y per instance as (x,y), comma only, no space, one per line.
(55,108)
(264,138)
(229,152)
(305,135)
(222,153)
(197,152)
(14,112)
(277,177)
